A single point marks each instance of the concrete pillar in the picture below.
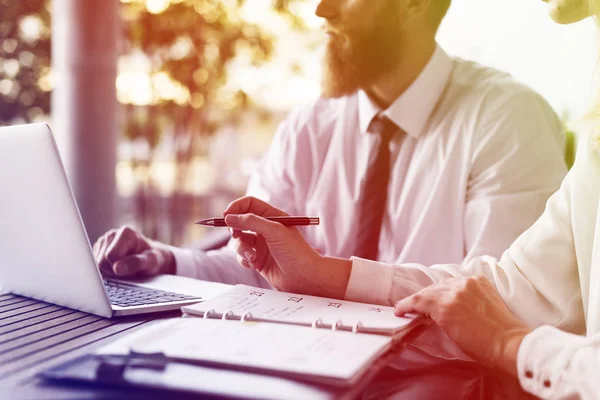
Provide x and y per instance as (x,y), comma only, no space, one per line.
(84,105)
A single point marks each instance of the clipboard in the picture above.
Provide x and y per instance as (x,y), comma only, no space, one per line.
(157,372)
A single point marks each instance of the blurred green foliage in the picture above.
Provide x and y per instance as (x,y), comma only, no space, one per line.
(190,42)
(193,42)
(25,79)
(570,148)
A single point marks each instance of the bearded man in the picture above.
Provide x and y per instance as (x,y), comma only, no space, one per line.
(409,155)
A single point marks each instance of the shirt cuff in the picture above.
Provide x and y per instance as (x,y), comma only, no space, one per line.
(370,282)
(542,361)
(184,261)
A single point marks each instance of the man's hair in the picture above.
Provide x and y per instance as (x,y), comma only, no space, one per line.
(439,8)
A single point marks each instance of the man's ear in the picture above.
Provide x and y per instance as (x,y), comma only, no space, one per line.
(416,9)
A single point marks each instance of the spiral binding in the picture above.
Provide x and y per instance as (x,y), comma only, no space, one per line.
(227,314)
(338,324)
(247,316)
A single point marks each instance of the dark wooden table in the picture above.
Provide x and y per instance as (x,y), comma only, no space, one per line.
(35,335)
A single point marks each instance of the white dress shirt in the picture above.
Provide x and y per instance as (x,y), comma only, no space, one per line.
(560,285)
(481,155)
(549,276)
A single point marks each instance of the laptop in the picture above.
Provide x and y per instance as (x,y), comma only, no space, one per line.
(45,252)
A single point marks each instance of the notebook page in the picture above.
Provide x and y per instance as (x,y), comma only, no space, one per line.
(278,306)
(335,357)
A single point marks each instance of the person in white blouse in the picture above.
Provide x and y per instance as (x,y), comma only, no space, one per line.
(470,147)
(525,313)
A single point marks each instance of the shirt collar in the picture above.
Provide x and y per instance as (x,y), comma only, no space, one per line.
(412,109)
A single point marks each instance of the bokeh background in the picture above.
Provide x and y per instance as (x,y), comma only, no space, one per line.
(202,84)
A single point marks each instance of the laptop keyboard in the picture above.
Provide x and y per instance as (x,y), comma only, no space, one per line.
(124,295)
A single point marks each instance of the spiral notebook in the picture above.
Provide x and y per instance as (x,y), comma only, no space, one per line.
(336,359)
(262,305)
(306,338)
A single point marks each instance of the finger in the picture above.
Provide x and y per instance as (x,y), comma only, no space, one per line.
(404,306)
(253,205)
(247,238)
(102,243)
(262,253)
(244,246)
(97,250)
(126,242)
(234,232)
(243,262)
(96,246)
(136,263)
(103,263)
(254,223)
(422,302)
(147,263)
(155,258)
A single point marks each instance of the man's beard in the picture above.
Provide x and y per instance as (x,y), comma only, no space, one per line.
(359,58)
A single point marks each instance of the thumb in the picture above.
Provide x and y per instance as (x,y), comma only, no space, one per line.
(146,262)
(254,223)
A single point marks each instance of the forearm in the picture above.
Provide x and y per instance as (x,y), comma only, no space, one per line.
(525,287)
(215,266)
(332,277)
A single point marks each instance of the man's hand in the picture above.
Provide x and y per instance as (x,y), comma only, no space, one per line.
(126,253)
(280,253)
(473,314)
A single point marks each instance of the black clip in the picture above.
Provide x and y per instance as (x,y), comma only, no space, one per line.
(112,367)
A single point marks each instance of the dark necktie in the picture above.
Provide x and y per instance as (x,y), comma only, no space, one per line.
(373,198)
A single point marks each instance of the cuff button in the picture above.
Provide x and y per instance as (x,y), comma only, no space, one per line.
(528,374)
(547,383)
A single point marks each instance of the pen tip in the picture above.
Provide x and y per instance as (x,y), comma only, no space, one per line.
(204,222)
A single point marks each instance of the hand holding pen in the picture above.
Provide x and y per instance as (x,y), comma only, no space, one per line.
(280,253)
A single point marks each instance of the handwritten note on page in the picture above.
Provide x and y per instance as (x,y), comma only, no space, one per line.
(271,305)
(338,358)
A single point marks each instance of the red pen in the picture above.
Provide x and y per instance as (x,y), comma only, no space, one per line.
(287,221)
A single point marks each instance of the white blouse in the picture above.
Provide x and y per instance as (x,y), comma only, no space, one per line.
(549,276)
